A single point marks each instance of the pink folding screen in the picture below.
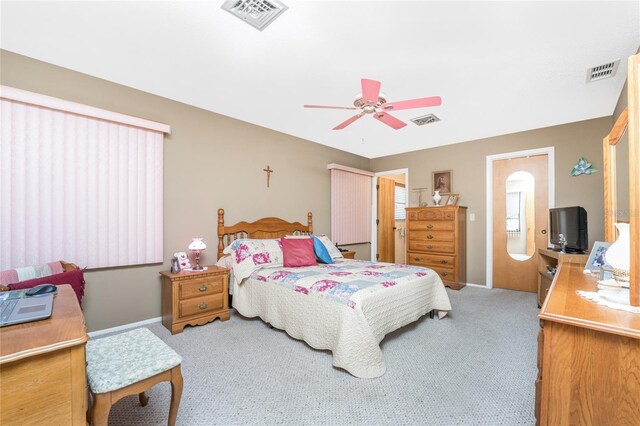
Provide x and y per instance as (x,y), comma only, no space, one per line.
(78,184)
(350,205)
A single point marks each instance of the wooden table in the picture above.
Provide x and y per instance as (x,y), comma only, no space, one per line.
(42,364)
(588,357)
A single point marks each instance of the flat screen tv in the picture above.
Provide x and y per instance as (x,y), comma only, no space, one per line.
(572,223)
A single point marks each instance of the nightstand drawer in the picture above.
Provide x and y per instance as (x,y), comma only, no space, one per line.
(431,225)
(198,287)
(201,305)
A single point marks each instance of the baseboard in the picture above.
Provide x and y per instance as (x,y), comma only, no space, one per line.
(478,285)
(124,327)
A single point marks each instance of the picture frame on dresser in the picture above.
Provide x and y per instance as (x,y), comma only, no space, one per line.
(452,200)
(442,181)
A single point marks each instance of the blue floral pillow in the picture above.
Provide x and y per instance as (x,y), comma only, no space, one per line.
(321,251)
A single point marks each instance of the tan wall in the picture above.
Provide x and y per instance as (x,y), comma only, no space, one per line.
(468,162)
(210,161)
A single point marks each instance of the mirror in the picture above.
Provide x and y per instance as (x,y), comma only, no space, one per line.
(616,176)
(520,187)
(622,178)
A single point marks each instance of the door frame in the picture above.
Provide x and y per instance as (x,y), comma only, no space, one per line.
(374,204)
(551,190)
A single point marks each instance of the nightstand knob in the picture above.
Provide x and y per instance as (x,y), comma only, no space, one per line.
(429,226)
(430,237)
(203,288)
(203,305)
(444,261)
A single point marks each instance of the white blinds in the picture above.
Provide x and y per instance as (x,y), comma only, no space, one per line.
(350,205)
(77,188)
(400,202)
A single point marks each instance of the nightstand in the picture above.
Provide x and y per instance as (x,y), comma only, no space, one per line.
(194,297)
(349,254)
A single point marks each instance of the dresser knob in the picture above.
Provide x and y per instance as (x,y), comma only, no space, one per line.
(203,305)
(429,246)
(429,226)
(444,261)
(417,259)
(444,274)
(203,288)
(429,237)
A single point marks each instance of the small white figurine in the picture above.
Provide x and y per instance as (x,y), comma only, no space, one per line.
(183,259)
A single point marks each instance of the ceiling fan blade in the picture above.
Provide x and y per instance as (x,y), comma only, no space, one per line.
(347,122)
(329,107)
(389,120)
(412,103)
(370,91)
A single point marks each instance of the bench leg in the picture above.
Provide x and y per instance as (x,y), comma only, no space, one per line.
(176,394)
(144,399)
(100,409)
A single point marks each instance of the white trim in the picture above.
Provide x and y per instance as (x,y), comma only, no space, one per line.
(124,327)
(349,169)
(374,204)
(550,152)
(478,285)
(27,97)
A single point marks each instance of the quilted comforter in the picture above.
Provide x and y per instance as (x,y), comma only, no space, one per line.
(347,307)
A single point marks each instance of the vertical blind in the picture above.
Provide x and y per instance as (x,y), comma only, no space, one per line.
(78,184)
(350,205)
(400,195)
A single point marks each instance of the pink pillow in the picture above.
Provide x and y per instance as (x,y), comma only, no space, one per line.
(74,277)
(298,252)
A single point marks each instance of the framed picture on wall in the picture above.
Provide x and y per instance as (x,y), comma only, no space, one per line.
(442,182)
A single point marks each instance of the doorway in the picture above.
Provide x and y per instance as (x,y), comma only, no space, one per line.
(519,195)
(390,195)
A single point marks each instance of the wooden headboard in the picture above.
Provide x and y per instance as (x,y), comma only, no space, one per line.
(265,228)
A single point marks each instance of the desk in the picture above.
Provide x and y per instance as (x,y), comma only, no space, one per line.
(588,357)
(42,364)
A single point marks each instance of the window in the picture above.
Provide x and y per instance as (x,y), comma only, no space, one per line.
(400,201)
(350,205)
(513,212)
(78,183)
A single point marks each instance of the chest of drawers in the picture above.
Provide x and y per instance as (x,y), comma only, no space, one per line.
(194,298)
(436,238)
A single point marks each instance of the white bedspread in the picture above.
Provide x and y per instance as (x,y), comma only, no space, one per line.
(352,334)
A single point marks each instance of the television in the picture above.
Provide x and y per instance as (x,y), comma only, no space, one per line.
(572,223)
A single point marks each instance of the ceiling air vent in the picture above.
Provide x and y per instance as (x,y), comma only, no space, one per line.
(425,119)
(258,13)
(602,71)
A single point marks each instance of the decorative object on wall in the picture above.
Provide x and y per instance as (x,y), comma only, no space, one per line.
(437,197)
(583,167)
(452,200)
(619,254)
(196,246)
(269,171)
(442,182)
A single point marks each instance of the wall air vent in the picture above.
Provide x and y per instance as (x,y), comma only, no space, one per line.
(257,13)
(425,119)
(602,71)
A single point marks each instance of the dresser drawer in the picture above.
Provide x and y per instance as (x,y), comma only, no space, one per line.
(201,286)
(432,236)
(431,225)
(431,260)
(201,305)
(431,246)
(432,214)
(447,274)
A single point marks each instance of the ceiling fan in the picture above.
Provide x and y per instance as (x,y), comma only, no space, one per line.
(373,101)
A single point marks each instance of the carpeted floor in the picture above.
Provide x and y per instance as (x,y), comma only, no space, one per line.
(477,366)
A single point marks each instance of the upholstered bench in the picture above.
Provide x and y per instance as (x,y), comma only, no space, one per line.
(127,364)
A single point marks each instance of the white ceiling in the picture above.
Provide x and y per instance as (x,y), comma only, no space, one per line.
(499,67)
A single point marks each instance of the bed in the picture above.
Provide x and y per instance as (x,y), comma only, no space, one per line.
(351,322)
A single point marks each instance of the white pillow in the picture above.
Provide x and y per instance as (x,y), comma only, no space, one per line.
(331,248)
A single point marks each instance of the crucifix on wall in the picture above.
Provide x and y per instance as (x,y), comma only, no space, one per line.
(269,171)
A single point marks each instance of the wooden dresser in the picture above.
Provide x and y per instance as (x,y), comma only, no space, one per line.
(42,366)
(553,259)
(194,298)
(588,357)
(437,239)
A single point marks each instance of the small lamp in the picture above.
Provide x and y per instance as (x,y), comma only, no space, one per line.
(196,246)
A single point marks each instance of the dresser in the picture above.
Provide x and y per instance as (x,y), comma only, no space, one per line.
(194,297)
(42,365)
(437,239)
(588,357)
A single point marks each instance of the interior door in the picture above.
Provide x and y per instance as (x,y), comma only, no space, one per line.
(386,221)
(520,218)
